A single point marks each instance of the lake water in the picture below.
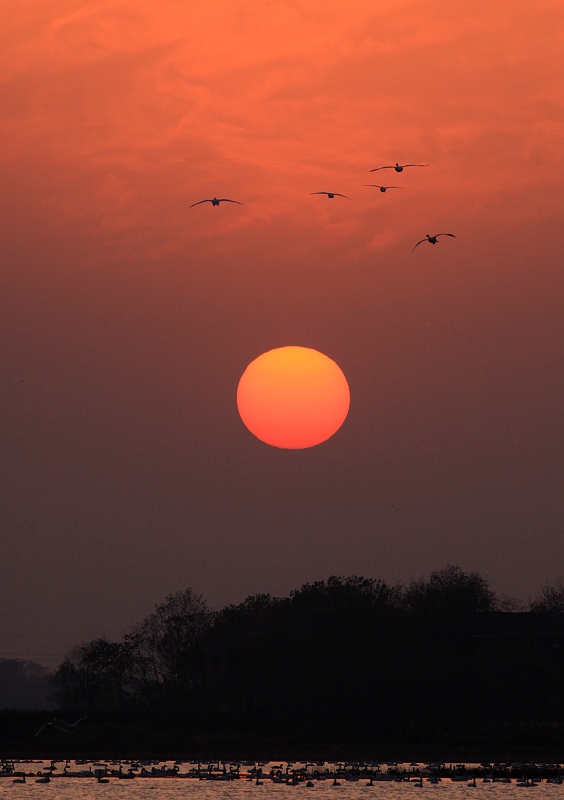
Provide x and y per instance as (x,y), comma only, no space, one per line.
(139,788)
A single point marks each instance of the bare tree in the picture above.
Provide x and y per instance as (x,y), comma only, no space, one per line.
(163,643)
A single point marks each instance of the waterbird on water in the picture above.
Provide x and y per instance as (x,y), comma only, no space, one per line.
(383,188)
(398,167)
(433,239)
(215,201)
(331,195)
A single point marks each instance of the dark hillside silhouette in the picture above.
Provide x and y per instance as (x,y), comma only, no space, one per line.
(24,685)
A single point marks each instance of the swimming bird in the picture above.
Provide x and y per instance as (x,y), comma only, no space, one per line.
(216,201)
(383,188)
(331,195)
(433,239)
(398,167)
(19,780)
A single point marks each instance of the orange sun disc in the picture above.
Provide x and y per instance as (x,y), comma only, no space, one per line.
(293,397)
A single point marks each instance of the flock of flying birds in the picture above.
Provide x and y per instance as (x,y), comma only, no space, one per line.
(215,201)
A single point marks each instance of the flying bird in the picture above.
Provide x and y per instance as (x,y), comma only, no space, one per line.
(216,201)
(61,725)
(331,195)
(383,188)
(433,239)
(398,167)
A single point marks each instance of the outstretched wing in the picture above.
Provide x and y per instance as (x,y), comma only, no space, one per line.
(61,723)
(342,195)
(54,724)
(418,243)
(389,166)
(199,202)
(227,200)
(445,234)
(415,165)
(319,192)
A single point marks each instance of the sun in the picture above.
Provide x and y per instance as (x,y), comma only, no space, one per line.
(293,397)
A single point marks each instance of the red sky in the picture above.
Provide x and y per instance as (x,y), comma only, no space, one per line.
(127,318)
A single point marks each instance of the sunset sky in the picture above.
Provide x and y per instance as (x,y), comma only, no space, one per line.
(127,318)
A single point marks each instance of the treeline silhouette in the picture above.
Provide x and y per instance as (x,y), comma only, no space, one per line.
(338,665)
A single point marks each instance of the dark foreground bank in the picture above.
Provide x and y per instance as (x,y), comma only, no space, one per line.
(151,738)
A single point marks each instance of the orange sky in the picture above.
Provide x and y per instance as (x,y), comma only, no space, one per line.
(128,318)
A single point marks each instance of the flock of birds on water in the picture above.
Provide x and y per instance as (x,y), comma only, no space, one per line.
(215,201)
(301,773)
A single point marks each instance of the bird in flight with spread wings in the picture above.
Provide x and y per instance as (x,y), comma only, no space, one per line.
(331,195)
(398,167)
(60,725)
(383,188)
(433,239)
(216,201)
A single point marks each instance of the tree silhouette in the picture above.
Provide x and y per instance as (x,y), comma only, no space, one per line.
(550,600)
(450,591)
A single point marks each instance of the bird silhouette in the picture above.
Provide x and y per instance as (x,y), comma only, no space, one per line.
(398,167)
(215,201)
(383,188)
(331,195)
(433,239)
(60,725)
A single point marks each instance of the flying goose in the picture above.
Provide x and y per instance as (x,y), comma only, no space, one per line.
(383,188)
(433,239)
(61,725)
(331,195)
(398,167)
(216,201)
